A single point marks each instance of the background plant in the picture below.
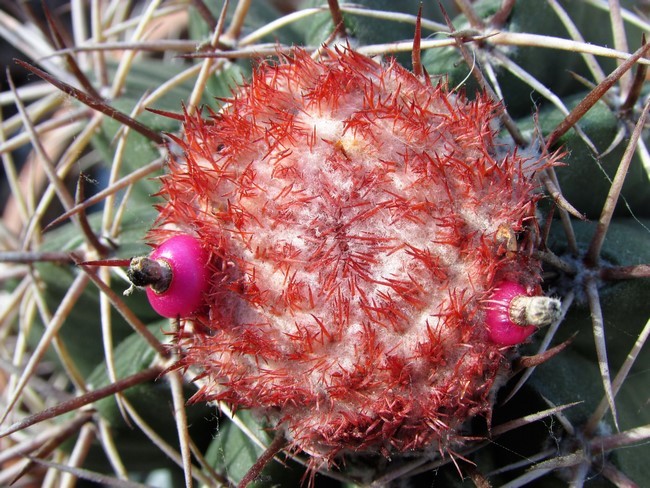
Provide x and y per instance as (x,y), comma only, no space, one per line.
(82,142)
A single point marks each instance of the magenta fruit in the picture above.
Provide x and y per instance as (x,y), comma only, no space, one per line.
(512,316)
(175,274)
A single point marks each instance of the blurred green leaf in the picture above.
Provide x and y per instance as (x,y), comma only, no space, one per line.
(81,332)
(151,400)
(363,30)
(233,453)
(224,83)
(261,13)
(132,355)
(531,18)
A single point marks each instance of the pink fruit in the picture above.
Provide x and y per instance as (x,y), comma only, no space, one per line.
(512,315)
(362,216)
(501,329)
(187,260)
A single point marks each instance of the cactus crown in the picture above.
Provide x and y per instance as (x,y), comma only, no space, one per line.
(374,252)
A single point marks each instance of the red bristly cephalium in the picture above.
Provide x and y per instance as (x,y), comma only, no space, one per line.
(357,219)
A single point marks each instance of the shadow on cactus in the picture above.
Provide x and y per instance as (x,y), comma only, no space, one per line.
(373,275)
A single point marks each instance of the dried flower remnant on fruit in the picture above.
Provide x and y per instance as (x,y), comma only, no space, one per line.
(354,214)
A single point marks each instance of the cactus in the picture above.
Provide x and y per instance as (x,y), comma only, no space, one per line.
(396,244)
